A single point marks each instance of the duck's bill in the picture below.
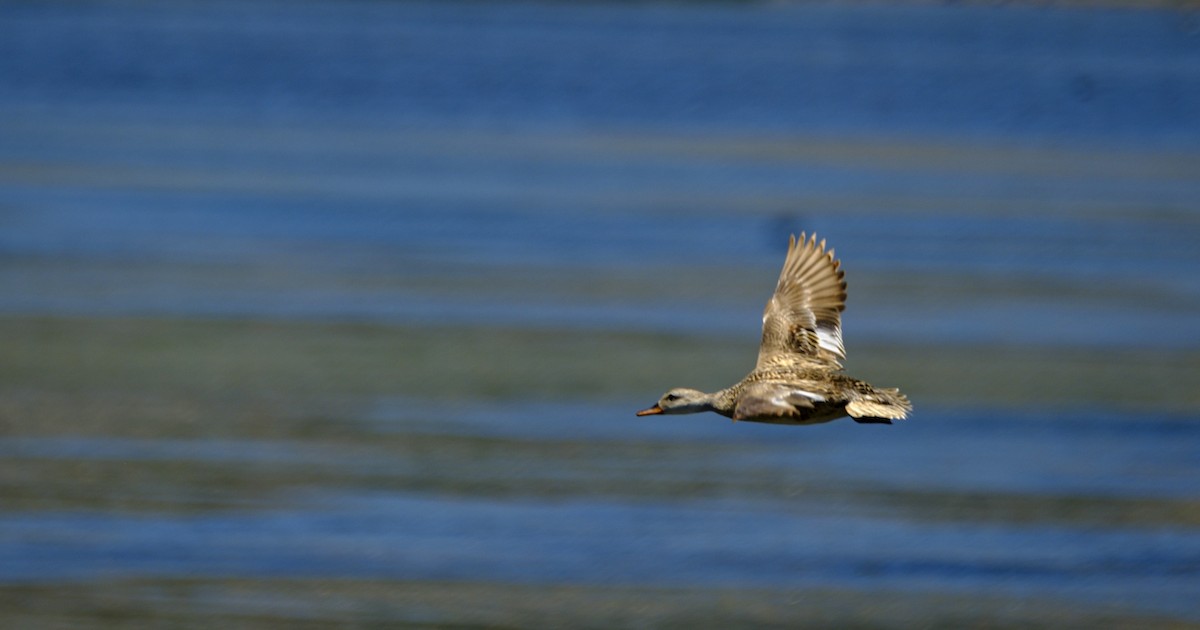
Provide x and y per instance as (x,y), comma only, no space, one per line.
(651,411)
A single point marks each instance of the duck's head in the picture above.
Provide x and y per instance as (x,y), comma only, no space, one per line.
(680,400)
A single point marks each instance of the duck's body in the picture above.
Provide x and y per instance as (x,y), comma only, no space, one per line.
(807,395)
(798,378)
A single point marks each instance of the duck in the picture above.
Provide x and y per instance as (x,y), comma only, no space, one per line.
(798,378)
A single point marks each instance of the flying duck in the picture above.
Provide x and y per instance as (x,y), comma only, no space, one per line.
(798,378)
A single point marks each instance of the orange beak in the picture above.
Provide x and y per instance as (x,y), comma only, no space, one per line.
(651,411)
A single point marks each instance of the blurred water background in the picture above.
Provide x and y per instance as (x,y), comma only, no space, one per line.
(329,314)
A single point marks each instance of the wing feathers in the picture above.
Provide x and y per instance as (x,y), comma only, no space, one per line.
(803,317)
(884,404)
(774,400)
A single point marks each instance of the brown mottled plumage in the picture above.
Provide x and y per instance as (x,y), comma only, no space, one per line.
(798,378)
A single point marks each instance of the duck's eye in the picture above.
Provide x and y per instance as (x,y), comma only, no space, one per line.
(671,397)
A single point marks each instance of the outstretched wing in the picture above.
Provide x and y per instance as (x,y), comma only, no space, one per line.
(803,317)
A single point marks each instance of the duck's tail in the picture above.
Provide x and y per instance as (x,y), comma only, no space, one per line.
(880,406)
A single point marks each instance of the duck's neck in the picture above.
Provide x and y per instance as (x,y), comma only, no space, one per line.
(723,401)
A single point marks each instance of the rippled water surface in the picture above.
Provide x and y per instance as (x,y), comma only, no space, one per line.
(329,314)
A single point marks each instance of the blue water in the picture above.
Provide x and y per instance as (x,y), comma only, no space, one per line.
(778,526)
(873,68)
(1128,273)
(996,177)
(695,544)
(804,539)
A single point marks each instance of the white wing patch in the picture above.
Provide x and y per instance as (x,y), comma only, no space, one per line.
(831,339)
(809,395)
